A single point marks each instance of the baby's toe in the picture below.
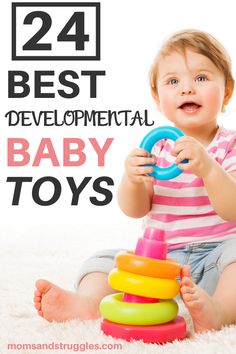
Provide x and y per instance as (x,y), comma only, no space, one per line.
(40,313)
(186,281)
(37,305)
(186,289)
(37,293)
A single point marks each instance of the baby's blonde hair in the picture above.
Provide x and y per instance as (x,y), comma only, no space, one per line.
(199,42)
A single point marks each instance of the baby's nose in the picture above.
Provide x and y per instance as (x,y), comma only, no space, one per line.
(187,92)
(187,89)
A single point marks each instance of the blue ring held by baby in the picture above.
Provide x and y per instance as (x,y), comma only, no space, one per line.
(165,132)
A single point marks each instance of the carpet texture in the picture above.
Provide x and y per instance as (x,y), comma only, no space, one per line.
(25,259)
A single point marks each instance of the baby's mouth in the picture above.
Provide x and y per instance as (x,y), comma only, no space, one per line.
(189,107)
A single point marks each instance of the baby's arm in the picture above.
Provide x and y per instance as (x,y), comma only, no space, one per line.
(136,189)
(220,185)
(221,188)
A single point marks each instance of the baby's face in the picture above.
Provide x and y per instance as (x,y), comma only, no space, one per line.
(191,89)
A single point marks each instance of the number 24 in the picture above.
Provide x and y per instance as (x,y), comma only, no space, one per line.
(79,37)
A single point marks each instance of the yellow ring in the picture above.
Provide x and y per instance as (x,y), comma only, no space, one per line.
(114,309)
(136,284)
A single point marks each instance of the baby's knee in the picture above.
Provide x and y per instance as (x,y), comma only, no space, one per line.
(100,262)
(228,255)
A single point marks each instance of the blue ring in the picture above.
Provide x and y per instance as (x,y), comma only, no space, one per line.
(151,139)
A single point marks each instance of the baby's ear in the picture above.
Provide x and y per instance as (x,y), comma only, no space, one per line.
(155,96)
(228,92)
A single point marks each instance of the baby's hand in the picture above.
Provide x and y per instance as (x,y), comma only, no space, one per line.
(199,161)
(135,166)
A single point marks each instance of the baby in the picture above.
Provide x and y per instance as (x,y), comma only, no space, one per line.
(191,83)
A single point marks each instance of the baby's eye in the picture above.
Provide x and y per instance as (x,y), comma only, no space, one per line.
(173,81)
(200,78)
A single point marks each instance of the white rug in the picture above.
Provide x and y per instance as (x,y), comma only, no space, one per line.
(57,257)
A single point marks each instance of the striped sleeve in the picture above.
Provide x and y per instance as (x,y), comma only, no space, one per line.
(229,162)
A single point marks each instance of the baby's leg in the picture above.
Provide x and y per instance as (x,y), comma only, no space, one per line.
(56,304)
(216,308)
(202,307)
(211,312)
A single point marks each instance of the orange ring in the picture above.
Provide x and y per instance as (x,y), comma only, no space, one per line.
(130,262)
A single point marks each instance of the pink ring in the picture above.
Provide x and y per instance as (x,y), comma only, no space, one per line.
(163,333)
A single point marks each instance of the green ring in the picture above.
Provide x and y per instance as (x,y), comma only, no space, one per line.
(115,310)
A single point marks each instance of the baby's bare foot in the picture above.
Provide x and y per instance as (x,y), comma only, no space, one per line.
(203,309)
(56,304)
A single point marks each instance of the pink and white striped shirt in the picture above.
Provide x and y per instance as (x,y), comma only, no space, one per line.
(181,207)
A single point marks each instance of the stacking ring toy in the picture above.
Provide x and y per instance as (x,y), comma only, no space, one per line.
(136,284)
(151,139)
(114,309)
(130,262)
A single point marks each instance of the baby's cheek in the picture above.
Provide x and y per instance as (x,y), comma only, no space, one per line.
(166,104)
(215,97)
